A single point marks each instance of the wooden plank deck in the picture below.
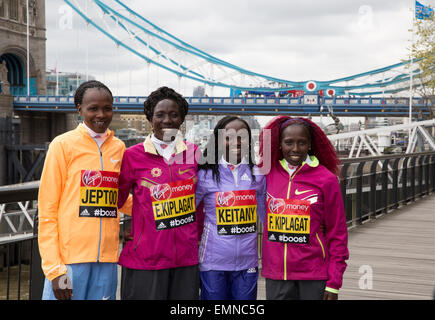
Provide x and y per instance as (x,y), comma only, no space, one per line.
(399,248)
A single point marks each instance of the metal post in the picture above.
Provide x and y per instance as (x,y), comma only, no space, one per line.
(405,180)
(28,48)
(395,183)
(412,178)
(359,177)
(373,188)
(384,191)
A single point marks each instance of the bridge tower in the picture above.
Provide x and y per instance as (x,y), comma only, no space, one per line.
(20,128)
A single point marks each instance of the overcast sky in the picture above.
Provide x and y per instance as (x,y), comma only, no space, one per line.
(294,40)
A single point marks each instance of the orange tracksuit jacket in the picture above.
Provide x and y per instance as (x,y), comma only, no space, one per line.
(67,234)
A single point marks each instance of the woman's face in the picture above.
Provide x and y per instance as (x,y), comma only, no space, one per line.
(236,141)
(295,143)
(96,109)
(166,120)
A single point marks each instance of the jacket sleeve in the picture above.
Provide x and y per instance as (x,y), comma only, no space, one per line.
(128,206)
(261,198)
(336,234)
(126,179)
(199,196)
(50,192)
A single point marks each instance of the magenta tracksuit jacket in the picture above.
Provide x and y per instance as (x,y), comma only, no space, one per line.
(155,245)
(309,255)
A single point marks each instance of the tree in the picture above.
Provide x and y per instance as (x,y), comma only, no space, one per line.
(423,53)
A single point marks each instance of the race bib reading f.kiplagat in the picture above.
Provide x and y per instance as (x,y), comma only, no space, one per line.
(99,194)
(236,212)
(288,220)
(173,204)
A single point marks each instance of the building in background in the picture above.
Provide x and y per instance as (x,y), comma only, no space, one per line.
(66,82)
(13,47)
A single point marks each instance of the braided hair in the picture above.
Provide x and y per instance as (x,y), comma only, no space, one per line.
(163,93)
(212,161)
(321,146)
(81,90)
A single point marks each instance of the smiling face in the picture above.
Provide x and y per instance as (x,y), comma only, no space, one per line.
(236,141)
(295,143)
(166,120)
(97,109)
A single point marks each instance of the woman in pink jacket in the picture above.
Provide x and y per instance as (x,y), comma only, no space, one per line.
(161,259)
(300,260)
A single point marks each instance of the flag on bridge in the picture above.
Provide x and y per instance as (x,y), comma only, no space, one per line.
(422,11)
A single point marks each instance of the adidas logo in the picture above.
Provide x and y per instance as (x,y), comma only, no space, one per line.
(222,231)
(245,177)
(161,226)
(272,237)
(85,213)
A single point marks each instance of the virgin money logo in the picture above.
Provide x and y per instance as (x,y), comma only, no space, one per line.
(225,199)
(92,178)
(276,206)
(161,192)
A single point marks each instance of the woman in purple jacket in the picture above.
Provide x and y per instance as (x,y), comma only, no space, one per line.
(234,198)
(300,261)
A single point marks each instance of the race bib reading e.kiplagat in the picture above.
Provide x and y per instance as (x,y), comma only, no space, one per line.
(236,212)
(173,204)
(288,220)
(99,194)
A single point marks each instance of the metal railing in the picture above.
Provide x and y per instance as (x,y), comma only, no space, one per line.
(374,185)
(370,186)
(20,264)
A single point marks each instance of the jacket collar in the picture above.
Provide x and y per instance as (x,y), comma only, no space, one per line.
(81,128)
(149,146)
(314,163)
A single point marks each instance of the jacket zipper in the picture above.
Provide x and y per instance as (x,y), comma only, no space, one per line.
(285,244)
(100,149)
(321,245)
(236,180)
(175,230)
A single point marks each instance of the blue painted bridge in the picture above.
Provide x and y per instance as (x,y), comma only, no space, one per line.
(308,104)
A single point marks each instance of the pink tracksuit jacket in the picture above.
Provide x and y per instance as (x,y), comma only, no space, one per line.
(294,246)
(164,226)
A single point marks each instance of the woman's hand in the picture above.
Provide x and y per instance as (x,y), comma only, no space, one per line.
(62,287)
(127,236)
(330,296)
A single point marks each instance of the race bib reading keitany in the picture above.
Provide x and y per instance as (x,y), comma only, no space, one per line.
(288,221)
(99,194)
(236,212)
(173,204)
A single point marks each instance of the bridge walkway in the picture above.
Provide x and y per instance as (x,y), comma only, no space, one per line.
(398,249)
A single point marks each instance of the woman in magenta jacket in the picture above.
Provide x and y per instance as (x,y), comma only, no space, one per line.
(300,260)
(161,259)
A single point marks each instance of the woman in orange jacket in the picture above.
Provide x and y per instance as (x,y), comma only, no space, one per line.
(78,216)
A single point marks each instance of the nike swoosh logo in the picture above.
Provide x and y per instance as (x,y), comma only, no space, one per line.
(114,160)
(106,298)
(297,192)
(180,172)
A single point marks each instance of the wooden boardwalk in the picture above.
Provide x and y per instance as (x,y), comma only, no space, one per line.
(398,248)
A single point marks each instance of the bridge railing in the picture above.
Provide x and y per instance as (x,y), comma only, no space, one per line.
(309,104)
(370,186)
(373,186)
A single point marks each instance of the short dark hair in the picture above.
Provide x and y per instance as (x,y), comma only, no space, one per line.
(80,92)
(163,93)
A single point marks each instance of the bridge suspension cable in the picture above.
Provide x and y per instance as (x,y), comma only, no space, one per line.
(143,38)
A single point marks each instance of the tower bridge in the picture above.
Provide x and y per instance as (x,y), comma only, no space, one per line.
(307,105)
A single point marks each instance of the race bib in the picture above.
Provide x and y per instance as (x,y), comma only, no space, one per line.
(288,221)
(173,204)
(99,194)
(236,212)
